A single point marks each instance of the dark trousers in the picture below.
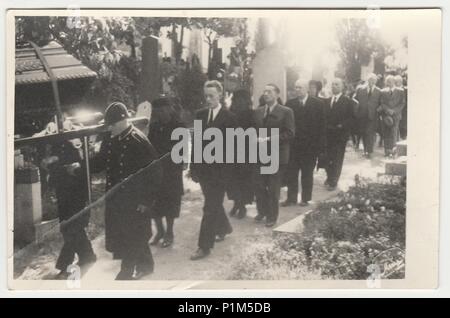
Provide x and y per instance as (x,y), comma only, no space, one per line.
(142,262)
(75,242)
(214,221)
(335,153)
(391,135)
(368,129)
(268,193)
(304,163)
(380,129)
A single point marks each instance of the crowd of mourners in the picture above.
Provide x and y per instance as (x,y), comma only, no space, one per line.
(144,186)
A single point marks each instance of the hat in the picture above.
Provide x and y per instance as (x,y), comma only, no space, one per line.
(115,112)
(161,102)
(388,120)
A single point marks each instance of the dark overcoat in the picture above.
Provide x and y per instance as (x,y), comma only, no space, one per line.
(281,117)
(132,179)
(310,127)
(71,189)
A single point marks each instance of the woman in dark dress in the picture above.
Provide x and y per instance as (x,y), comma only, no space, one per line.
(163,121)
(241,187)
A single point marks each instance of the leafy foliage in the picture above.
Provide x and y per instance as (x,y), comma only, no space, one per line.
(365,226)
(191,85)
(343,239)
(357,45)
(106,45)
(272,262)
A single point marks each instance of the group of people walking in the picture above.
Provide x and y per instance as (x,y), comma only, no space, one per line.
(144,184)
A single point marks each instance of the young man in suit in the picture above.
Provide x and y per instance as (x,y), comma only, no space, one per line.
(368,97)
(339,116)
(308,144)
(273,115)
(213,177)
(392,102)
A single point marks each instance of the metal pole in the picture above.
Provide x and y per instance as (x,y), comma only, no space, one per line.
(54,82)
(88,173)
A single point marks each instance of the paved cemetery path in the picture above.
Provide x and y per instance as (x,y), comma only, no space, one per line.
(173,263)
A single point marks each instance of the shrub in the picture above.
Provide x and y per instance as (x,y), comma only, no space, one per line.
(272,261)
(341,239)
(364,226)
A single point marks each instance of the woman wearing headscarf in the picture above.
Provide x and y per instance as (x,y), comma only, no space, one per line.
(164,120)
(241,189)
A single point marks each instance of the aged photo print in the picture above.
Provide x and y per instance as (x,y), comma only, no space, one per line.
(224,148)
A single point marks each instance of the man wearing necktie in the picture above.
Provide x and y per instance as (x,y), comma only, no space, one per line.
(272,115)
(308,144)
(368,97)
(339,117)
(213,177)
(392,102)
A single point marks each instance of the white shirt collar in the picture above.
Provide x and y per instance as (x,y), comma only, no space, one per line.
(271,107)
(215,111)
(304,99)
(336,97)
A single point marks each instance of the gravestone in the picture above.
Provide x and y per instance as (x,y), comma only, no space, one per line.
(27,204)
(398,165)
(195,44)
(268,67)
(144,109)
(150,76)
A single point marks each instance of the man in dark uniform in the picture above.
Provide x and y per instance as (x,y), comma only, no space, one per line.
(339,117)
(131,185)
(213,178)
(308,144)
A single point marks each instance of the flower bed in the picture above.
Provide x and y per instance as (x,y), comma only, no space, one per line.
(360,233)
(271,261)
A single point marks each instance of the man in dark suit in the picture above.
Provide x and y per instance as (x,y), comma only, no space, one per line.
(339,116)
(273,115)
(213,177)
(392,102)
(309,142)
(403,125)
(368,97)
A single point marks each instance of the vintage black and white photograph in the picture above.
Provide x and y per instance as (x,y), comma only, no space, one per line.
(229,145)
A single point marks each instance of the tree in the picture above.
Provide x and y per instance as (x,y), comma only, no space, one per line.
(358,44)
(191,85)
(152,26)
(97,42)
(245,57)
(214,29)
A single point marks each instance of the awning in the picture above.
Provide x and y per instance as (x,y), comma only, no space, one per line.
(29,69)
